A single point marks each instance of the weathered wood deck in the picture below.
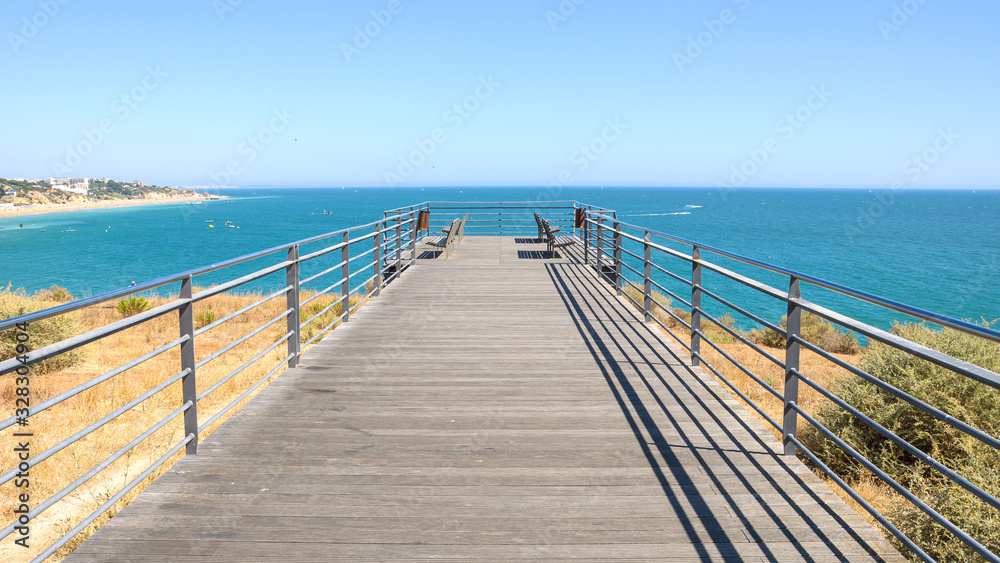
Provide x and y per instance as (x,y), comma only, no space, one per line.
(495,405)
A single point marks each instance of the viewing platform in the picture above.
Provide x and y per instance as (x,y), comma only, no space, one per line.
(501,403)
(483,381)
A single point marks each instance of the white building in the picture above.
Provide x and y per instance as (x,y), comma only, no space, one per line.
(74,189)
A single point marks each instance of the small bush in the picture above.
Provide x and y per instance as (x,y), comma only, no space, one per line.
(204,319)
(60,294)
(41,333)
(961,397)
(815,330)
(132,305)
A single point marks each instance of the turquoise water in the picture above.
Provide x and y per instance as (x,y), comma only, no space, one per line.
(932,249)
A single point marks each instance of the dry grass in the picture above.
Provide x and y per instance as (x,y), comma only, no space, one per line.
(813,366)
(63,420)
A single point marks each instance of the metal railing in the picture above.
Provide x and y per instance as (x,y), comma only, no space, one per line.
(620,251)
(498,218)
(361,260)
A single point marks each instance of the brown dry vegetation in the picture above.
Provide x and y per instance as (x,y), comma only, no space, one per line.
(63,420)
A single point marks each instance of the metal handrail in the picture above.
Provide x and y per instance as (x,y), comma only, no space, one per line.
(7,324)
(603,236)
(896,306)
(374,254)
(362,251)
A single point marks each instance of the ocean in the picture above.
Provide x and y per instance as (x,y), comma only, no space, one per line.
(937,250)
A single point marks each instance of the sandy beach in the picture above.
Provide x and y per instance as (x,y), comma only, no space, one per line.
(59,207)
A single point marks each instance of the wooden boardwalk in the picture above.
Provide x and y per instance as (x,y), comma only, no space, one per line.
(496,405)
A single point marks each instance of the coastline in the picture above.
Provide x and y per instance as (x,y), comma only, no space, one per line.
(60,207)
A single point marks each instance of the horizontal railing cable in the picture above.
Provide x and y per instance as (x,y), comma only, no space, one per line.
(48,403)
(35,460)
(250,307)
(903,491)
(242,367)
(242,339)
(246,393)
(111,501)
(47,503)
(923,406)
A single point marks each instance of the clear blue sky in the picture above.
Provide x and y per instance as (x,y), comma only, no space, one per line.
(322,114)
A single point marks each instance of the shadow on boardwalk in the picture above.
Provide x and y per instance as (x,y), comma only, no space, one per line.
(610,336)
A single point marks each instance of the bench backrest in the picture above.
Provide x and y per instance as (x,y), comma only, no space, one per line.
(546,230)
(453,231)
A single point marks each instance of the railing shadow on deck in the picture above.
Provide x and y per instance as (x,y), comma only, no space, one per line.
(603,338)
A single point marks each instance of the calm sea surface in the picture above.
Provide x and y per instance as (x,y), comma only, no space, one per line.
(938,250)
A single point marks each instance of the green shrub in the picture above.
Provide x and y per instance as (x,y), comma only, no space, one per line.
(41,333)
(60,294)
(132,305)
(815,330)
(204,319)
(962,398)
(960,507)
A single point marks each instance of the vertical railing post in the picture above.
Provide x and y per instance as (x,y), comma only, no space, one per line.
(793,328)
(398,247)
(501,219)
(378,259)
(618,257)
(345,274)
(586,237)
(189,383)
(647,277)
(599,243)
(413,236)
(696,272)
(292,302)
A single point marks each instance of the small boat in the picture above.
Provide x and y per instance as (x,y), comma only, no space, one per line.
(231,226)
(210,221)
(211,226)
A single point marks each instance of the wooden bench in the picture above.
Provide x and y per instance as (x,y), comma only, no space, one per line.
(447,242)
(461,228)
(553,242)
(541,231)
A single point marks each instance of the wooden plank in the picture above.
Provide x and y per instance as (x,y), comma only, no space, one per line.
(494,405)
